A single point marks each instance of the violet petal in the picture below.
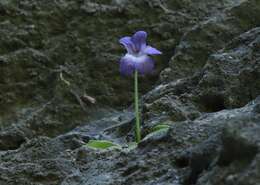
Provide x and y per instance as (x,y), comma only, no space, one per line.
(128,44)
(151,51)
(145,65)
(127,66)
(139,40)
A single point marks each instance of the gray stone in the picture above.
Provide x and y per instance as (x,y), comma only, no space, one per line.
(60,87)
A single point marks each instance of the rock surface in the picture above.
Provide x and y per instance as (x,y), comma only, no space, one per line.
(56,56)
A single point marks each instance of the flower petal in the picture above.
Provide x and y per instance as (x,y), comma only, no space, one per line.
(151,51)
(127,66)
(145,65)
(139,40)
(127,42)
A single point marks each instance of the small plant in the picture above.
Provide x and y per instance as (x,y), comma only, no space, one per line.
(160,127)
(137,61)
(102,144)
(108,145)
(158,131)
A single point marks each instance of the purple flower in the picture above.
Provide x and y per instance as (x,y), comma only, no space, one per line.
(137,57)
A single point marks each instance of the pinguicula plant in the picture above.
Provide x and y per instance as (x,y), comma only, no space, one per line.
(136,61)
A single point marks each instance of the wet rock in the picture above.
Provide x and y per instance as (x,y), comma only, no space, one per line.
(228,80)
(11,139)
(230,76)
(209,36)
(172,107)
(238,160)
(195,146)
(54,54)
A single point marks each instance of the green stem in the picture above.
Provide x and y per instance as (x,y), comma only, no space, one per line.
(137,119)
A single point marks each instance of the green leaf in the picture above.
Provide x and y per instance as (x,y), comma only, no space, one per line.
(157,132)
(159,127)
(102,144)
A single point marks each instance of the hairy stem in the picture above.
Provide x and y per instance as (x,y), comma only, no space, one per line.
(137,118)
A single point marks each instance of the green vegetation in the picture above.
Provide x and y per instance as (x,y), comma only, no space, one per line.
(102,145)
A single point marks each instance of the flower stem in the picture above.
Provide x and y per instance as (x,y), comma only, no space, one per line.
(137,118)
